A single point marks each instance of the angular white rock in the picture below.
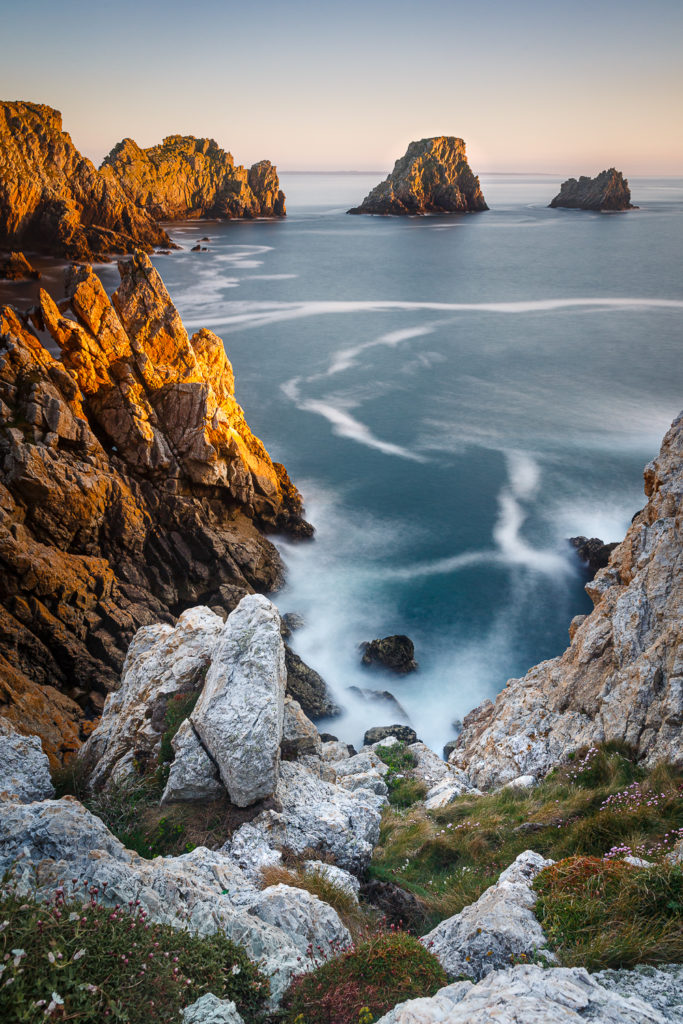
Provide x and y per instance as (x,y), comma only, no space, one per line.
(162,661)
(501,924)
(334,750)
(661,987)
(446,791)
(521,782)
(371,781)
(209,1009)
(299,735)
(343,880)
(527,994)
(193,775)
(361,763)
(302,916)
(250,850)
(24,767)
(239,715)
(319,815)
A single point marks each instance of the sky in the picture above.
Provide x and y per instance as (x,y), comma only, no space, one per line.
(531,85)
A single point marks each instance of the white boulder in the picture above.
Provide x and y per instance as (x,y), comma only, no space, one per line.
(193,775)
(209,1009)
(303,917)
(527,994)
(499,926)
(24,767)
(239,715)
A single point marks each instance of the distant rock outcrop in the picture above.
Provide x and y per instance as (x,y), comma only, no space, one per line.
(621,678)
(397,653)
(608,191)
(17,268)
(130,488)
(54,200)
(433,177)
(189,177)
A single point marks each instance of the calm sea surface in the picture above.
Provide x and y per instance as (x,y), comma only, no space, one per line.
(455,396)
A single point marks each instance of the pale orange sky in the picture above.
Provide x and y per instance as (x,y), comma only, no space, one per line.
(532,86)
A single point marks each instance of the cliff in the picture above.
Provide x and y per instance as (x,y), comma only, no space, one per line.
(188,177)
(53,200)
(433,177)
(621,678)
(608,191)
(130,488)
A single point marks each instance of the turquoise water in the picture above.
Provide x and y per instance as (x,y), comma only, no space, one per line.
(455,396)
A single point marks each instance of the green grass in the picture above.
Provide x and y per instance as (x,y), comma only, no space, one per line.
(404,789)
(365,981)
(74,959)
(449,857)
(606,913)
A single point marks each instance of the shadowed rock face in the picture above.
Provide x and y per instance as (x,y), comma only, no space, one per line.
(188,177)
(130,488)
(621,678)
(608,191)
(432,177)
(54,200)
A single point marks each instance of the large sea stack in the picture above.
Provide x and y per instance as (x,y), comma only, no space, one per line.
(433,177)
(53,200)
(608,191)
(131,488)
(189,177)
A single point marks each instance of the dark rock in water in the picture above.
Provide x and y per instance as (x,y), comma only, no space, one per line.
(290,622)
(403,733)
(396,653)
(131,488)
(379,697)
(308,688)
(593,551)
(327,737)
(449,748)
(433,177)
(196,248)
(608,191)
(54,200)
(400,907)
(17,268)
(188,177)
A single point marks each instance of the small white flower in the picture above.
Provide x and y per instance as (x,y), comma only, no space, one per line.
(79,954)
(18,954)
(51,957)
(235,969)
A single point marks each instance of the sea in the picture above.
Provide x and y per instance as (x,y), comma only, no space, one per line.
(455,396)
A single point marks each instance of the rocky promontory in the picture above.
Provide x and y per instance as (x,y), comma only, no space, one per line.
(131,488)
(53,200)
(607,191)
(188,177)
(621,678)
(432,177)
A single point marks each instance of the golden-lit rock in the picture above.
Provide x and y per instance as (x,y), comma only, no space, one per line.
(130,488)
(432,177)
(17,268)
(188,177)
(54,200)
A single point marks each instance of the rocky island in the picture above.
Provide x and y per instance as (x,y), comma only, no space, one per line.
(432,177)
(54,201)
(607,191)
(188,177)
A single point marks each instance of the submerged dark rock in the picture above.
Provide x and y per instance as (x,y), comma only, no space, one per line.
(593,552)
(403,733)
(308,688)
(380,698)
(397,653)
(432,177)
(607,191)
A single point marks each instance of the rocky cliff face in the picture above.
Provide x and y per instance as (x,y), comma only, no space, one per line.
(608,191)
(433,177)
(130,488)
(188,177)
(621,678)
(54,200)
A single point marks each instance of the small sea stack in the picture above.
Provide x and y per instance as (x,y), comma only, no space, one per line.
(432,177)
(609,190)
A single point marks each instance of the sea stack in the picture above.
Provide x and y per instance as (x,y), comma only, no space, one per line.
(608,191)
(188,177)
(55,201)
(432,177)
